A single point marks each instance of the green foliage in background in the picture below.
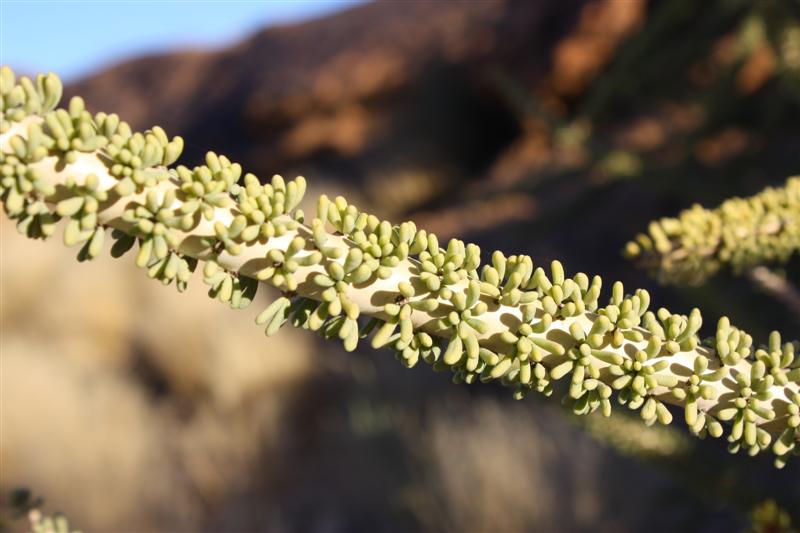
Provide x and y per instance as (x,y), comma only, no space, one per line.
(768,517)
(21,503)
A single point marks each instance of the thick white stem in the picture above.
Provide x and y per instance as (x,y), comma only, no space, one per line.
(371,297)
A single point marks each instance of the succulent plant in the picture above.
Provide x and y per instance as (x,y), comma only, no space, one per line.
(349,275)
(741,233)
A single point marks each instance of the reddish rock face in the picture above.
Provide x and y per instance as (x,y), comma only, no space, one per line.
(379,92)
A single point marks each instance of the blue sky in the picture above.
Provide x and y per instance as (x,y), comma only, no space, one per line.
(73,38)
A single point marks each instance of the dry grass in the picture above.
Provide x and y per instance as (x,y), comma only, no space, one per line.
(125,403)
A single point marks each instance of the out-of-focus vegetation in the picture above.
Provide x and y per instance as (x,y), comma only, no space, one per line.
(557,129)
(20,503)
(768,517)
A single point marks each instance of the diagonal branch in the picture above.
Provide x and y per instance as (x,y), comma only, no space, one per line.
(349,275)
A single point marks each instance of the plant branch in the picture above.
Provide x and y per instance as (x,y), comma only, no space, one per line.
(741,233)
(349,275)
